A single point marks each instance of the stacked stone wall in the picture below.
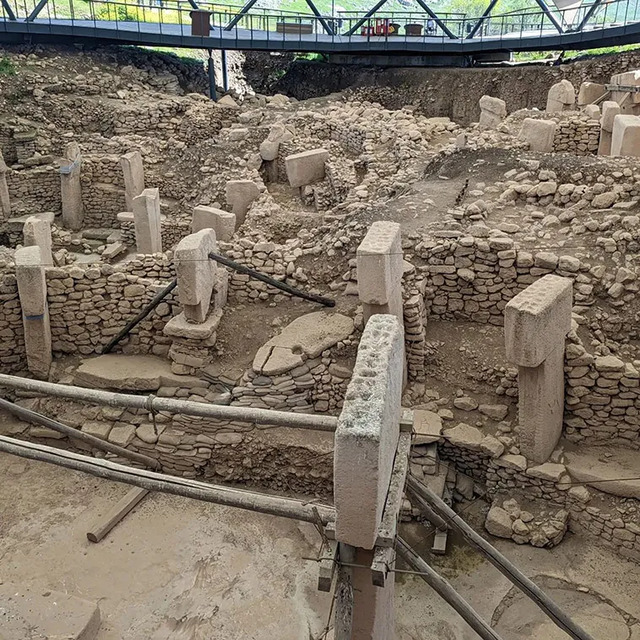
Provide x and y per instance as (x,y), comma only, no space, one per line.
(35,190)
(12,348)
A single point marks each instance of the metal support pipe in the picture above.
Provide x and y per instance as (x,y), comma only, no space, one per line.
(508,569)
(241,14)
(444,589)
(211,70)
(8,10)
(323,22)
(156,300)
(437,20)
(594,7)
(365,18)
(307,511)
(225,71)
(37,9)
(547,12)
(480,22)
(37,418)
(170,405)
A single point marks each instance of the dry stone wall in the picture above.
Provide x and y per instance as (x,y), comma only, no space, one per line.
(12,348)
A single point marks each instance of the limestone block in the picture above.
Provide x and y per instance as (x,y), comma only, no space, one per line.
(71,188)
(625,139)
(492,112)
(222,222)
(37,232)
(539,134)
(593,111)
(146,216)
(541,406)
(628,102)
(561,97)
(367,434)
(5,203)
(306,167)
(133,171)
(610,110)
(240,196)
(196,273)
(380,265)
(589,92)
(32,290)
(537,320)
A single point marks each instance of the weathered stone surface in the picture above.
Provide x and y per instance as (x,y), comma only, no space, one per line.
(547,471)
(464,435)
(240,196)
(561,97)
(492,112)
(367,433)
(305,337)
(625,140)
(494,411)
(222,222)
(146,216)
(427,427)
(306,167)
(539,134)
(589,92)
(498,523)
(133,172)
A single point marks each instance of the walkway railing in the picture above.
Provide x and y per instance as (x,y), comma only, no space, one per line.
(249,24)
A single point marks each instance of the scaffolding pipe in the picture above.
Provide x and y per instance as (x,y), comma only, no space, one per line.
(161,483)
(154,404)
(37,418)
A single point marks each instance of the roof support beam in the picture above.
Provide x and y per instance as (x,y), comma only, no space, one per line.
(8,10)
(321,20)
(364,18)
(545,9)
(437,20)
(587,16)
(37,9)
(484,16)
(241,14)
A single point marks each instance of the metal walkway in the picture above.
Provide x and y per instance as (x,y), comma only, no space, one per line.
(169,24)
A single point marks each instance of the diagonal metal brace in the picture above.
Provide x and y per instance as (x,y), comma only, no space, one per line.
(321,20)
(38,8)
(436,19)
(480,22)
(594,7)
(364,18)
(545,9)
(241,14)
(8,10)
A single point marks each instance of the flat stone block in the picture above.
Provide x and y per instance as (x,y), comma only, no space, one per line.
(589,92)
(561,97)
(306,167)
(32,286)
(52,615)
(541,406)
(240,196)
(180,327)
(610,110)
(625,140)
(539,134)
(133,172)
(37,232)
(427,427)
(537,320)
(146,217)
(367,434)
(222,222)
(379,263)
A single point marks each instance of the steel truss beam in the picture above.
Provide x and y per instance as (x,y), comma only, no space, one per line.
(38,8)
(247,7)
(8,10)
(366,16)
(484,16)
(437,20)
(545,9)
(588,15)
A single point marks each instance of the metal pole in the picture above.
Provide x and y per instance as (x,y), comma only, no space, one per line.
(306,511)
(508,569)
(170,405)
(225,72)
(444,589)
(212,77)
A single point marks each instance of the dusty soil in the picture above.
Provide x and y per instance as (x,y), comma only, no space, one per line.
(177,569)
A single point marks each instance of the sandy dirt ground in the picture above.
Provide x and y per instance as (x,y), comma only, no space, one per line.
(176,569)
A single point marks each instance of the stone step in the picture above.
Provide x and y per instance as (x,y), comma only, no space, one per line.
(606,469)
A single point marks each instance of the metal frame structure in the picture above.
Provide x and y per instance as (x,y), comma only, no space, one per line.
(532,30)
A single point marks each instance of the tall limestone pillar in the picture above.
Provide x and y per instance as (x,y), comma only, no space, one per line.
(71,188)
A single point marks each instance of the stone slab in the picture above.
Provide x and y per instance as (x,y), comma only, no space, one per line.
(146,217)
(561,97)
(589,92)
(180,327)
(50,615)
(625,139)
(240,195)
(306,167)
(37,232)
(427,427)
(539,134)
(537,320)
(222,222)
(306,336)
(367,434)
(133,172)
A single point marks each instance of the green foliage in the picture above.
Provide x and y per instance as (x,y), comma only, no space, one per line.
(7,68)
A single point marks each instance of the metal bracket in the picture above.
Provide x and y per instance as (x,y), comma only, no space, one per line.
(622,88)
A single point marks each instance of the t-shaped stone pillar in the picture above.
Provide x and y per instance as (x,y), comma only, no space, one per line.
(366,441)
(610,110)
(133,171)
(240,196)
(379,263)
(196,273)
(146,219)
(71,188)
(536,323)
(32,290)
(5,202)
(37,232)
(222,222)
